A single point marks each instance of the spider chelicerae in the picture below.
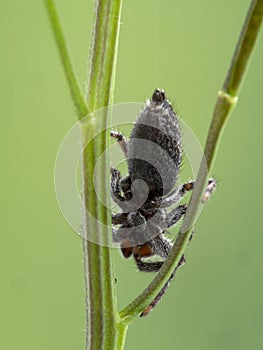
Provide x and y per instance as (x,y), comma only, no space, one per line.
(154,154)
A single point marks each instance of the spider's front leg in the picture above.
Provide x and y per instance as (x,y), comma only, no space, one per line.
(121,141)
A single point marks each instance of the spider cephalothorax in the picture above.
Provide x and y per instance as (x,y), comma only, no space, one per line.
(154,154)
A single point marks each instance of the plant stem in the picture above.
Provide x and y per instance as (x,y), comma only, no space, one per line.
(226,101)
(77,97)
(224,104)
(122,330)
(244,48)
(103,330)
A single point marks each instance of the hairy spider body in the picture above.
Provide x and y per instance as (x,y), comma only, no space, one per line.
(157,159)
(154,154)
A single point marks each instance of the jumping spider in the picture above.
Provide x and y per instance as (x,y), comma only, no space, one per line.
(154,154)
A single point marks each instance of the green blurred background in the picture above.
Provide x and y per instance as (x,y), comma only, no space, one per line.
(184,47)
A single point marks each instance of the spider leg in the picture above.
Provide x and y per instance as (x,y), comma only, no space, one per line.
(160,246)
(154,267)
(132,231)
(119,184)
(209,189)
(121,141)
(115,186)
(158,297)
(119,218)
(177,194)
(175,215)
(148,266)
(114,234)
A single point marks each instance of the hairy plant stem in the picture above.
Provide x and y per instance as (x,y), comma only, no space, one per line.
(103,329)
(102,323)
(225,102)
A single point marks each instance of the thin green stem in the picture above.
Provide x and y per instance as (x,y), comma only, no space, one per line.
(77,97)
(224,104)
(226,101)
(244,48)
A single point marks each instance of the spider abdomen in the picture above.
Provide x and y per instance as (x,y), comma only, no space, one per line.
(155,152)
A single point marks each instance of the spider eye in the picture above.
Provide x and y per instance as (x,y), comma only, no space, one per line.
(158,96)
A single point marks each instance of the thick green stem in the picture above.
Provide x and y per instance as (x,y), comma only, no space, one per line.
(225,102)
(102,330)
(122,330)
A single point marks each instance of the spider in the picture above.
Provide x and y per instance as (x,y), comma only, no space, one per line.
(154,154)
